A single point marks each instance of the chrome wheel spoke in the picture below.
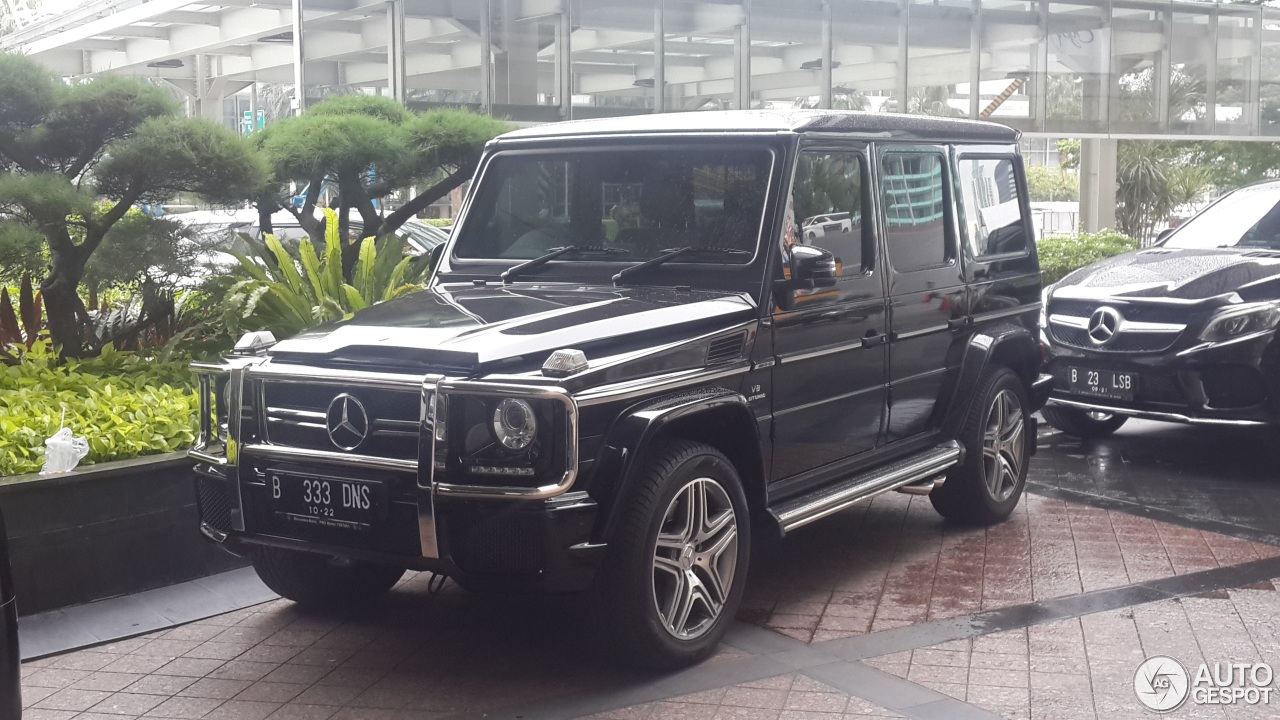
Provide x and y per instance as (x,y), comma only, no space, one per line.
(694,558)
(1004,445)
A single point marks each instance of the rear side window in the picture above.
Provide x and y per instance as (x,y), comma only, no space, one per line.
(914,209)
(827,200)
(992,208)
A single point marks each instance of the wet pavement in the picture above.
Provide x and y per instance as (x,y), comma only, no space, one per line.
(1159,540)
(1227,479)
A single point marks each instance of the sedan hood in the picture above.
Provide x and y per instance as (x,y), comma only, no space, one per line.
(466,328)
(1178,274)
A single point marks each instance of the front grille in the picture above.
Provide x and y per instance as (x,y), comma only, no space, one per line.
(501,545)
(1123,342)
(1233,387)
(1135,312)
(297,416)
(214,503)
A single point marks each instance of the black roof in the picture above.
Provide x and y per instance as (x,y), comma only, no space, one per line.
(888,125)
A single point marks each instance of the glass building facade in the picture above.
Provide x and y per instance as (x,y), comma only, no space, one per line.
(1083,68)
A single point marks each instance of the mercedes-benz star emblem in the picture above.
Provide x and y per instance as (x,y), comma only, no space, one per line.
(347,422)
(1103,324)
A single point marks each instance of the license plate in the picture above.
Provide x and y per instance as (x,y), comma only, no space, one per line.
(1102,383)
(325,501)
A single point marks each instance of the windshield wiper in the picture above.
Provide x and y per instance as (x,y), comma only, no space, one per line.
(672,254)
(554,253)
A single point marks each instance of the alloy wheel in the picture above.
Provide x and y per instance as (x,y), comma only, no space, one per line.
(694,559)
(1003,445)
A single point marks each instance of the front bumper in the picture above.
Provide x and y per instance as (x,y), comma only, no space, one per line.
(537,545)
(1234,383)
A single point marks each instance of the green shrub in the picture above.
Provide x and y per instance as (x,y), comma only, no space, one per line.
(1060,256)
(125,405)
(438,222)
(287,293)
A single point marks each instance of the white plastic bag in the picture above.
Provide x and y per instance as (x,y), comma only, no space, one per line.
(63,452)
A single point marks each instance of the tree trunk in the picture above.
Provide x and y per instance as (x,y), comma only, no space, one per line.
(61,304)
(266,208)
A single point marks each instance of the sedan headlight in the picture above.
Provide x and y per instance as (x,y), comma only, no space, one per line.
(1241,320)
(1044,306)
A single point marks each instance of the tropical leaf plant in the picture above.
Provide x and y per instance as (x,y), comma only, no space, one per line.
(286,292)
(24,325)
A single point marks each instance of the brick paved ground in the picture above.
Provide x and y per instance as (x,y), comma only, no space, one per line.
(873,572)
(901,565)
(1084,667)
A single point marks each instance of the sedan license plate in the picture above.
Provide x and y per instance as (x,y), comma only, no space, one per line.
(1102,383)
(325,501)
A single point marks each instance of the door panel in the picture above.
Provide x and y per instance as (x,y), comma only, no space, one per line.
(926,289)
(829,377)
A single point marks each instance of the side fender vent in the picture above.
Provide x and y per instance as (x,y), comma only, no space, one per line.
(726,348)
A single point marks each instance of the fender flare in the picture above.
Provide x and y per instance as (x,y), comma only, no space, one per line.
(1005,343)
(637,428)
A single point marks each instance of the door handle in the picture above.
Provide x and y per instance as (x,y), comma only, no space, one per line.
(874,340)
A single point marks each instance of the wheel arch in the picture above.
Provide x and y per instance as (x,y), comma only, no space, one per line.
(719,417)
(1007,345)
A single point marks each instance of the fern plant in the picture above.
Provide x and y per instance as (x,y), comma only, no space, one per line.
(286,294)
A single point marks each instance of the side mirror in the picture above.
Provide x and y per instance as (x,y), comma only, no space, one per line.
(1164,234)
(437,252)
(812,267)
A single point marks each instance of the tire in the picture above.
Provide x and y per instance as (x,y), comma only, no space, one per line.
(1081,423)
(645,608)
(323,581)
(985,488)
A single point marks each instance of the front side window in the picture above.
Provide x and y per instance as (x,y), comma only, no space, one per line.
(638,202)
(992,209)
(1247,218)
(914,210)
(826,202)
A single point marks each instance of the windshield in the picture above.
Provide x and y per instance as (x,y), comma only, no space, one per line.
(1249,217)
(641,201)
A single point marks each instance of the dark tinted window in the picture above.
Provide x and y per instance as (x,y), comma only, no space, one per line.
(827,206)
(992,209)
(914,210)
(641,201)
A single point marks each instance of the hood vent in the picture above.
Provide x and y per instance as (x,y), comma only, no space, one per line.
(726,349)
(1156,251)
(1262,253)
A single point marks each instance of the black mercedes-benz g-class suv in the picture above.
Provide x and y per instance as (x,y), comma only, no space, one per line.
(1184,331)
(630,359)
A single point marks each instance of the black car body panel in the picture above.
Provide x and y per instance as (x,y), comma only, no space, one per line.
(800,383)
(1144,318)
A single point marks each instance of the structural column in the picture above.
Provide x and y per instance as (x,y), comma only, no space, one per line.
(659,59)
(824,88)
(299,62)
(1097,184)
(395,49)
(564,61)
(486,58)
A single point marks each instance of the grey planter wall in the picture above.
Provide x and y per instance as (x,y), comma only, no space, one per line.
(109,529)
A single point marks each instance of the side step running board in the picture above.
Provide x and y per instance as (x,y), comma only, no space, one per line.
(822,502)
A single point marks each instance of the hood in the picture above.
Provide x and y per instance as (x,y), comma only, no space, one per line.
(1178,274)
(468,328)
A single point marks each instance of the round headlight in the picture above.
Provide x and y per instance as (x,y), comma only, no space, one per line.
(514,424)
